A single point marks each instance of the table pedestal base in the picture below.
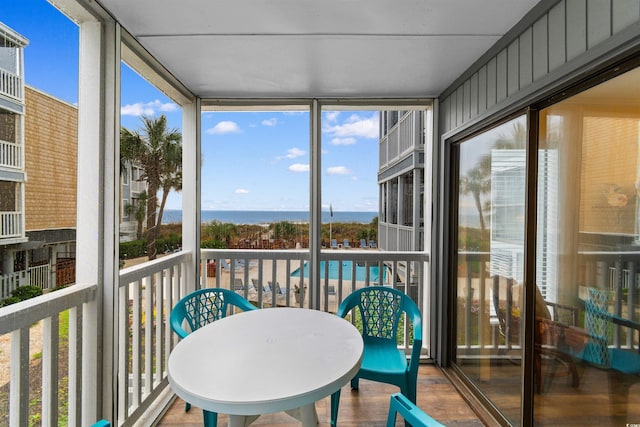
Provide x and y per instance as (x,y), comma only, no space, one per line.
(306,414)
(241,420)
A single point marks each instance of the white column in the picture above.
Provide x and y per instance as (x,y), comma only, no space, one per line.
(315,202)
(191,189)
(98,194)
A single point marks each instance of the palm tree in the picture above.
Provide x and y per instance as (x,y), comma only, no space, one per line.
(154,148)
(172,178)
(477,181)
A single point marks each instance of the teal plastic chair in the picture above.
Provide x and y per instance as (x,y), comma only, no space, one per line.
(400,405)
(101,423)
(199,308)
(380,309)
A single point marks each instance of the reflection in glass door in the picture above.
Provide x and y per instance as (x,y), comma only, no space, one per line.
(490,261)
(587,360)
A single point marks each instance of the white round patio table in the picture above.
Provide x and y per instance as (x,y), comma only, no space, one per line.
(265,361)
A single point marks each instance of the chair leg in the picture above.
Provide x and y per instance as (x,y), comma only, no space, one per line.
(354,383)
(335,403)
(210,418)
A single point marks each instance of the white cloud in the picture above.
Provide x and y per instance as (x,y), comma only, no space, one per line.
(299,167)
(355,126)
(294,152)
(343,141)
(241,191)
(147,108)
(224,127)
(338,170)
(331,116)
(270,122)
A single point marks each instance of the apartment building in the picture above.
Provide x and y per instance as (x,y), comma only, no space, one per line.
(13,174)
(401,179)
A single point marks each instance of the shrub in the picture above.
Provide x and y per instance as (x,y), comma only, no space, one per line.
(26,292)
(168,243)
(213,244)
(9,301)
(133,249)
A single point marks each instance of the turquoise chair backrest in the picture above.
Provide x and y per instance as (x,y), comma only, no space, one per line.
(380,309)
(597,324)
(205,306)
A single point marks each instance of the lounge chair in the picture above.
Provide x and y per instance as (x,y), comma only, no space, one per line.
(334,244)
(237,284)
(278,289)
(372,244)
(363,244)
(345,244)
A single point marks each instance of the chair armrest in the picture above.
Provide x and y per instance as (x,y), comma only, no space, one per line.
(413,415)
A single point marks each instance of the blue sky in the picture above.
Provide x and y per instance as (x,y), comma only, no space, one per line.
(251,160)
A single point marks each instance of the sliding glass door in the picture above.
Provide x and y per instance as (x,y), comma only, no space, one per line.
(585,278)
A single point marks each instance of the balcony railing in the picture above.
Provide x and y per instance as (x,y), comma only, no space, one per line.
(11,85)
(147,292)
(610,270)
(60,389)
(146,295)
(10,224)
(10,155)
(394,237)
(401,139)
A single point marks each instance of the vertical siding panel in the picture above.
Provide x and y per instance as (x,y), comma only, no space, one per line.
(557,40)
(491,82)
(598,22)
(526,58)
(459,102)
(445,115)
(482,89)
(624,13)
(466,98)
(501,75)
(576,28)
(449,113)
(513,68)
(474,94)
(540,48)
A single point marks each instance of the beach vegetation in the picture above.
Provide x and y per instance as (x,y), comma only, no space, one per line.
(158,151)
(284,230)
(220,231)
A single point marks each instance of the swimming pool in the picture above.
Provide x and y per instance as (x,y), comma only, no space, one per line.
(361,271)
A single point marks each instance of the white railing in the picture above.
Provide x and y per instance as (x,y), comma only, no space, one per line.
(145,297)
(406,138)
(258,275)
(402,138)
(480,295)
(146,294)
(10,85)
(10,155)
(58,390)
(138,186)
(40,276)
(10,224)
(9,282)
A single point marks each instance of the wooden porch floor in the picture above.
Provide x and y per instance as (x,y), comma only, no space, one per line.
(367,407)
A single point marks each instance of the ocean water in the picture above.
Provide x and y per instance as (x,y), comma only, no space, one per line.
(266,217)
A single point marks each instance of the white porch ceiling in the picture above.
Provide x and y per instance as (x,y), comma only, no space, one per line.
(322,48)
